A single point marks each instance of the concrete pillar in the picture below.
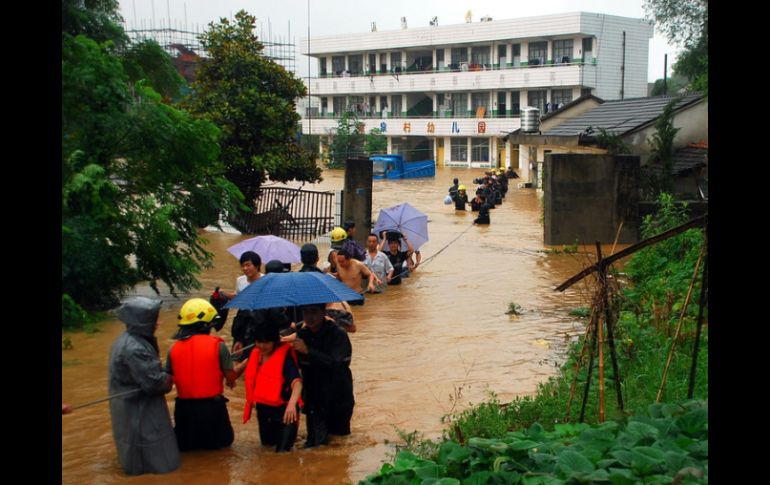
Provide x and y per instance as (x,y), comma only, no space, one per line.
(447,57)
(493,152)
(470,105)
(329,69)
(435,105)
(549,51)
(404,107)
(508,106)
(403,61)
(435,61)
(347,63)
(330,105)
(358,196)
(509,54)
(469,156)
(390,144)
(387,59)
(524,51)
(587,197)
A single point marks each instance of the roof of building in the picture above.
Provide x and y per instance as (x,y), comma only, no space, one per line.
(571,104)
(691,157)
(620,116)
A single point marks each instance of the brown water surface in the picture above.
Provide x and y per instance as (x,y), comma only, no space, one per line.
(439,341)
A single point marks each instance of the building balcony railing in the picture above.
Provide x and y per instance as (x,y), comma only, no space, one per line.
(523,77)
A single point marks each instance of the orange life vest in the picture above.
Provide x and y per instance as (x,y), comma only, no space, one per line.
(264,382)
(195,363)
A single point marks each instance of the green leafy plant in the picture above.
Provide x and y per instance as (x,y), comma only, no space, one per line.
(514,309)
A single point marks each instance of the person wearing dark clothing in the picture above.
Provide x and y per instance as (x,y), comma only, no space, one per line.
(274,386)
(141,422)
(397,257)
(511,174)
(245,323)
(309,256)
(324,353)
(460,198)
(477,201)
(350,244)
(483,217)
(199,363)
(454,188)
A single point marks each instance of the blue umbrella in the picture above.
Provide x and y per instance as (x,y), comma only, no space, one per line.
(292,289)
(405,219)
(268,248)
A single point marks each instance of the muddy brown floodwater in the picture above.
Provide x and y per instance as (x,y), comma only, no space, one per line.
(423,349)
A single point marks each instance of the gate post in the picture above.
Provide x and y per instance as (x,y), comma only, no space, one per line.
(357,199)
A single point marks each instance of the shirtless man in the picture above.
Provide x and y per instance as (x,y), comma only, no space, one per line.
(351,271)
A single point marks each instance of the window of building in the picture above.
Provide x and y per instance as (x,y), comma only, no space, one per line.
(322,66)
(560,97)
(356,64)
(588,43)
(585,91)
(440,58)
(460,105)
(356,105)
(395,62)
(459,56)
(383,63)
(459,150)
(395,108)
(515,102)
(338,65)
(480,100)
(562,51)
(536,99)
(502,53)
(501,105)
(516,54)
(480,56)
(538,52)
(479,149)
(340,105)
(372,63)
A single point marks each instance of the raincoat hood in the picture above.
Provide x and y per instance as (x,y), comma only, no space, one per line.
(140,314)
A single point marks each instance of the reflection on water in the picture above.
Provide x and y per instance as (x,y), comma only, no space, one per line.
(444,331)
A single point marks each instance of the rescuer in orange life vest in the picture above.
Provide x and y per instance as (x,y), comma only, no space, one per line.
(273,384)
(199,363)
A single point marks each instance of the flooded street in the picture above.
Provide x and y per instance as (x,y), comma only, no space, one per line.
(443,334)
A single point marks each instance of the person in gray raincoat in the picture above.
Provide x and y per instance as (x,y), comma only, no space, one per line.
(141,423)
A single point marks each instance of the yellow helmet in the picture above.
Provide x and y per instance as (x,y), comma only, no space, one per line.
(196,310)
(338,234)
(461,187)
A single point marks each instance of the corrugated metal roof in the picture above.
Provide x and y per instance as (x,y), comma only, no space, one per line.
(619,116)
(686,159)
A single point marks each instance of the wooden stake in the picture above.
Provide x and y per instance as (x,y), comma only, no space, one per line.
(603,290)
(702,303)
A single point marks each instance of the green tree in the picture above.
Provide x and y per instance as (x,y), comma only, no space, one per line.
(97,19)
(685,23)
(252,101)
(662,143)
(136,175)
(147,60)
(376,142)
(347,141)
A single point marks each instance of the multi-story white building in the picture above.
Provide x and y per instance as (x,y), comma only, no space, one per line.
(450,93)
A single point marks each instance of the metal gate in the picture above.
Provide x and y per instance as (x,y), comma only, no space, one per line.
(289,213)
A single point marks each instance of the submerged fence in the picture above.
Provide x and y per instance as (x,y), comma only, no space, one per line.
(289,213)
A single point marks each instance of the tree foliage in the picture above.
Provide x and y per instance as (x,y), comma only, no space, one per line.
(348,140)
(147,60)
(685,23)
(137,175)
(96,19)
(662,143)
(252,101)
(376,142)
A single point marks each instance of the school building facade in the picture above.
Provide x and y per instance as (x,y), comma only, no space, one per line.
(451,93)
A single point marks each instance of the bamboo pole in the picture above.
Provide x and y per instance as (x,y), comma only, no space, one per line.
(578,364)
(609,321)
(600,328)
(702,303)
(679,325)
(590,369)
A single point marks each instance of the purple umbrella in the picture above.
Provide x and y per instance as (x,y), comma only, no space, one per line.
(268,248)
(405,219)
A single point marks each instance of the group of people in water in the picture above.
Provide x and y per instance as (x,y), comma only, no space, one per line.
(490,192)
(293,360)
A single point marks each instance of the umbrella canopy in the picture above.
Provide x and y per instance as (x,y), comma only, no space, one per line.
(405,219)
(268,248)
(292,289)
